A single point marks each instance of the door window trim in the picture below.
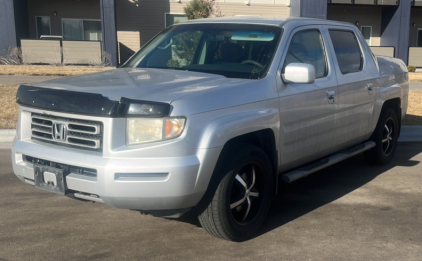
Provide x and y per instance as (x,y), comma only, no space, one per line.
(324,48)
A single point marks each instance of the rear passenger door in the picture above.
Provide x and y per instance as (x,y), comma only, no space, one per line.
(356,84)
(307,111)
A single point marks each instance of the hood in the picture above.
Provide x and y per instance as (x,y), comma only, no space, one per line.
(160,85)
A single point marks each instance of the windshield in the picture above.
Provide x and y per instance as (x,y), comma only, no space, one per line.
(231,50)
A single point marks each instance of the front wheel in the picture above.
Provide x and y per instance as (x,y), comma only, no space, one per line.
(242,198)
(385,136)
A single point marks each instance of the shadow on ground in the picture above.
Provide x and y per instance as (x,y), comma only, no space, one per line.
(303,196)
(412,120)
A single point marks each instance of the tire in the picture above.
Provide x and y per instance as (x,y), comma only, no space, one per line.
(237,207)
(385,136)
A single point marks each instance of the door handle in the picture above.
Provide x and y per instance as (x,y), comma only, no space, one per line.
(370,87)
(331,96)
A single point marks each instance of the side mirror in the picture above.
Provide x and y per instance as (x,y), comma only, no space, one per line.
(299,73)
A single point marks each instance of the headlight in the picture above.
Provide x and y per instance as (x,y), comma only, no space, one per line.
(142,130)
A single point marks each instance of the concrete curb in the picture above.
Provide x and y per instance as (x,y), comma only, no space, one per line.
(7,135)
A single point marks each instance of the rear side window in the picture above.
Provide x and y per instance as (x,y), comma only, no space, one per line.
(346,47)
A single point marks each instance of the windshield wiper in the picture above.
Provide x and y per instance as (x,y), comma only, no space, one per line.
(186,69)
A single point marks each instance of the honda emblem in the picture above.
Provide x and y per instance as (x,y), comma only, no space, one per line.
(59,131)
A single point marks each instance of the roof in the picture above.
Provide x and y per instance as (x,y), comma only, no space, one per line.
(276,21)
(241,19)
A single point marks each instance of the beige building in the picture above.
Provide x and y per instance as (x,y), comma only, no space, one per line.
(123,26)
(139,21)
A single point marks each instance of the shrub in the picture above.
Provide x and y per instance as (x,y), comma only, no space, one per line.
(103,61)
(197,9)
(13,56)
(411,68)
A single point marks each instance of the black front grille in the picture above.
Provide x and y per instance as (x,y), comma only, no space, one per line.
(66,168)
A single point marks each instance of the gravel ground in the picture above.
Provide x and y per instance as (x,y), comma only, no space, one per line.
(350,211)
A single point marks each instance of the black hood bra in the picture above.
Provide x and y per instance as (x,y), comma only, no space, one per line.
(67,101)
(84,103)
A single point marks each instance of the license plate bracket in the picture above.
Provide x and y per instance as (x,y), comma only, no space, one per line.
(43,179)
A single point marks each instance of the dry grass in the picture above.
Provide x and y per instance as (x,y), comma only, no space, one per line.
(414,111)
(9,110)
(415,77)
(45,70)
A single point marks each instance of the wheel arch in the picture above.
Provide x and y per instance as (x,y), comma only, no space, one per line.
(387,97)
(264,139)
(395,104)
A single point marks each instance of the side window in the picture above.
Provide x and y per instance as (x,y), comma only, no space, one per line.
(346,47)
(307,47)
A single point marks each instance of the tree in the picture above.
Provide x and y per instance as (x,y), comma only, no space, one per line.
(185,44)
(184,47)
(197,9)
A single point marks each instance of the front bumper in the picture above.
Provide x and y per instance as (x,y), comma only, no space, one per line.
(147,184)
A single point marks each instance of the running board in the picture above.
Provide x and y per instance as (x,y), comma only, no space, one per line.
(325,162)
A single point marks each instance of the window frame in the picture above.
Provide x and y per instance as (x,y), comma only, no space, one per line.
(169,13)
(417,37)
(83,35)
(370,38)
(362,56)
(36,24)
(324,48)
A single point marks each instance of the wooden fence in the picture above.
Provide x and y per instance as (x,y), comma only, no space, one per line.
(415,56)
(383,51)
(61,52)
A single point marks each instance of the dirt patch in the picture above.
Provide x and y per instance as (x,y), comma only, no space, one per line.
(9,108)
(415,77)
(41,70)
(414,111)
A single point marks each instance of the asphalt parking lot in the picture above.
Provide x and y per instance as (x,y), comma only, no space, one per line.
(350,211)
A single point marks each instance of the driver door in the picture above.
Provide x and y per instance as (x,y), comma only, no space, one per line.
(307,111)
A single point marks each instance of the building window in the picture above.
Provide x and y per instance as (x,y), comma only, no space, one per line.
(367,34)
(419,41)
(43,26)
(174,19)
(82,30)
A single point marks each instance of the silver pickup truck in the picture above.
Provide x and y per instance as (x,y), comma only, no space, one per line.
(212,115)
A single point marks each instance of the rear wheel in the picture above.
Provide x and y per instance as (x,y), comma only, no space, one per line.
(385,136)
(238,207)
